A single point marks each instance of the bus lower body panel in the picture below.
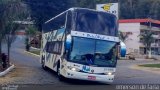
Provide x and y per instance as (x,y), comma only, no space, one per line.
(89,77)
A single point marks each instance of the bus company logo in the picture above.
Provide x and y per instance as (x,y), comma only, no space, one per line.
(95,36)
(109,69)
(107,7)
(92,71)
(86,68)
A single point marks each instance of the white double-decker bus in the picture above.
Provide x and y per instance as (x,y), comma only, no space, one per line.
(81,44)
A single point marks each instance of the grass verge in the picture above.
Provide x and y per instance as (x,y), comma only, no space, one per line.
(35,52)
(151,65)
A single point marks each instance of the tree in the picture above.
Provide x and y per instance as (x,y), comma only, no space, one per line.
(30,32)
(147,40)
(10,11)
(155,11)
(11,28)
(42,10)
(123,36)
(2,26)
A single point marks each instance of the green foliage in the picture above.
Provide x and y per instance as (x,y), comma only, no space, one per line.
(42,10)
(37,52)
(147,39)
(123,36)
(11,29)
(129,9)
(10,11)
(31,31)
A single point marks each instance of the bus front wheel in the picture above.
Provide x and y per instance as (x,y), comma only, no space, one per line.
(60,77)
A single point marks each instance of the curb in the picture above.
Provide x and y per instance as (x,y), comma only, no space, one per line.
(7,71)
(35,48)
(32,54)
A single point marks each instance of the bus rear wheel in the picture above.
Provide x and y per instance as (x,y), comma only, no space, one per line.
(43,65)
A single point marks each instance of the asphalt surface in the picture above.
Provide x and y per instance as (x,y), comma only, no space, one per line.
(126,73)
(27,68)
(28,71)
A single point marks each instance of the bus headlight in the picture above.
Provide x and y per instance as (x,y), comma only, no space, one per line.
(110,73)
(73,69)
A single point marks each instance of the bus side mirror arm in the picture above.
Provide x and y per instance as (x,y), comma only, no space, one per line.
(65,54)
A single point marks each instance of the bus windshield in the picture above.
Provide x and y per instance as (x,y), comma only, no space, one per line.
(99,23)
(93,52)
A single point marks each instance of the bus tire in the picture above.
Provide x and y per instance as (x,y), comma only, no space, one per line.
(43,64)
(60,77)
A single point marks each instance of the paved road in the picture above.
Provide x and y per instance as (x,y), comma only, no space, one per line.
(28,71)
(126,75)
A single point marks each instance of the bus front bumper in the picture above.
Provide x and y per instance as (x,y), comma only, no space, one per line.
(89,77)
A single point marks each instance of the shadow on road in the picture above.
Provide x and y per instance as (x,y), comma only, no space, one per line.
(75,81)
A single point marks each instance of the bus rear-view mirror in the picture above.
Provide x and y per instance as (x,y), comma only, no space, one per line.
(122,49)
(68,42)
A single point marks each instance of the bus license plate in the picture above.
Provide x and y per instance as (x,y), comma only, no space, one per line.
(91,77)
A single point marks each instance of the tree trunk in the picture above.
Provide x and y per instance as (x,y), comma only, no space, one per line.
(8,49)
(0,47)
(149,54)
(8,56)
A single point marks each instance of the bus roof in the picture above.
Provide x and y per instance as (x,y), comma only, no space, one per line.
(78,9)
(84,20)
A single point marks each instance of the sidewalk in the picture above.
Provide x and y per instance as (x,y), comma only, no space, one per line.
(34,48)
(156,57)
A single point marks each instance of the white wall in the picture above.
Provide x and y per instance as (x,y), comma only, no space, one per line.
(132,41)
